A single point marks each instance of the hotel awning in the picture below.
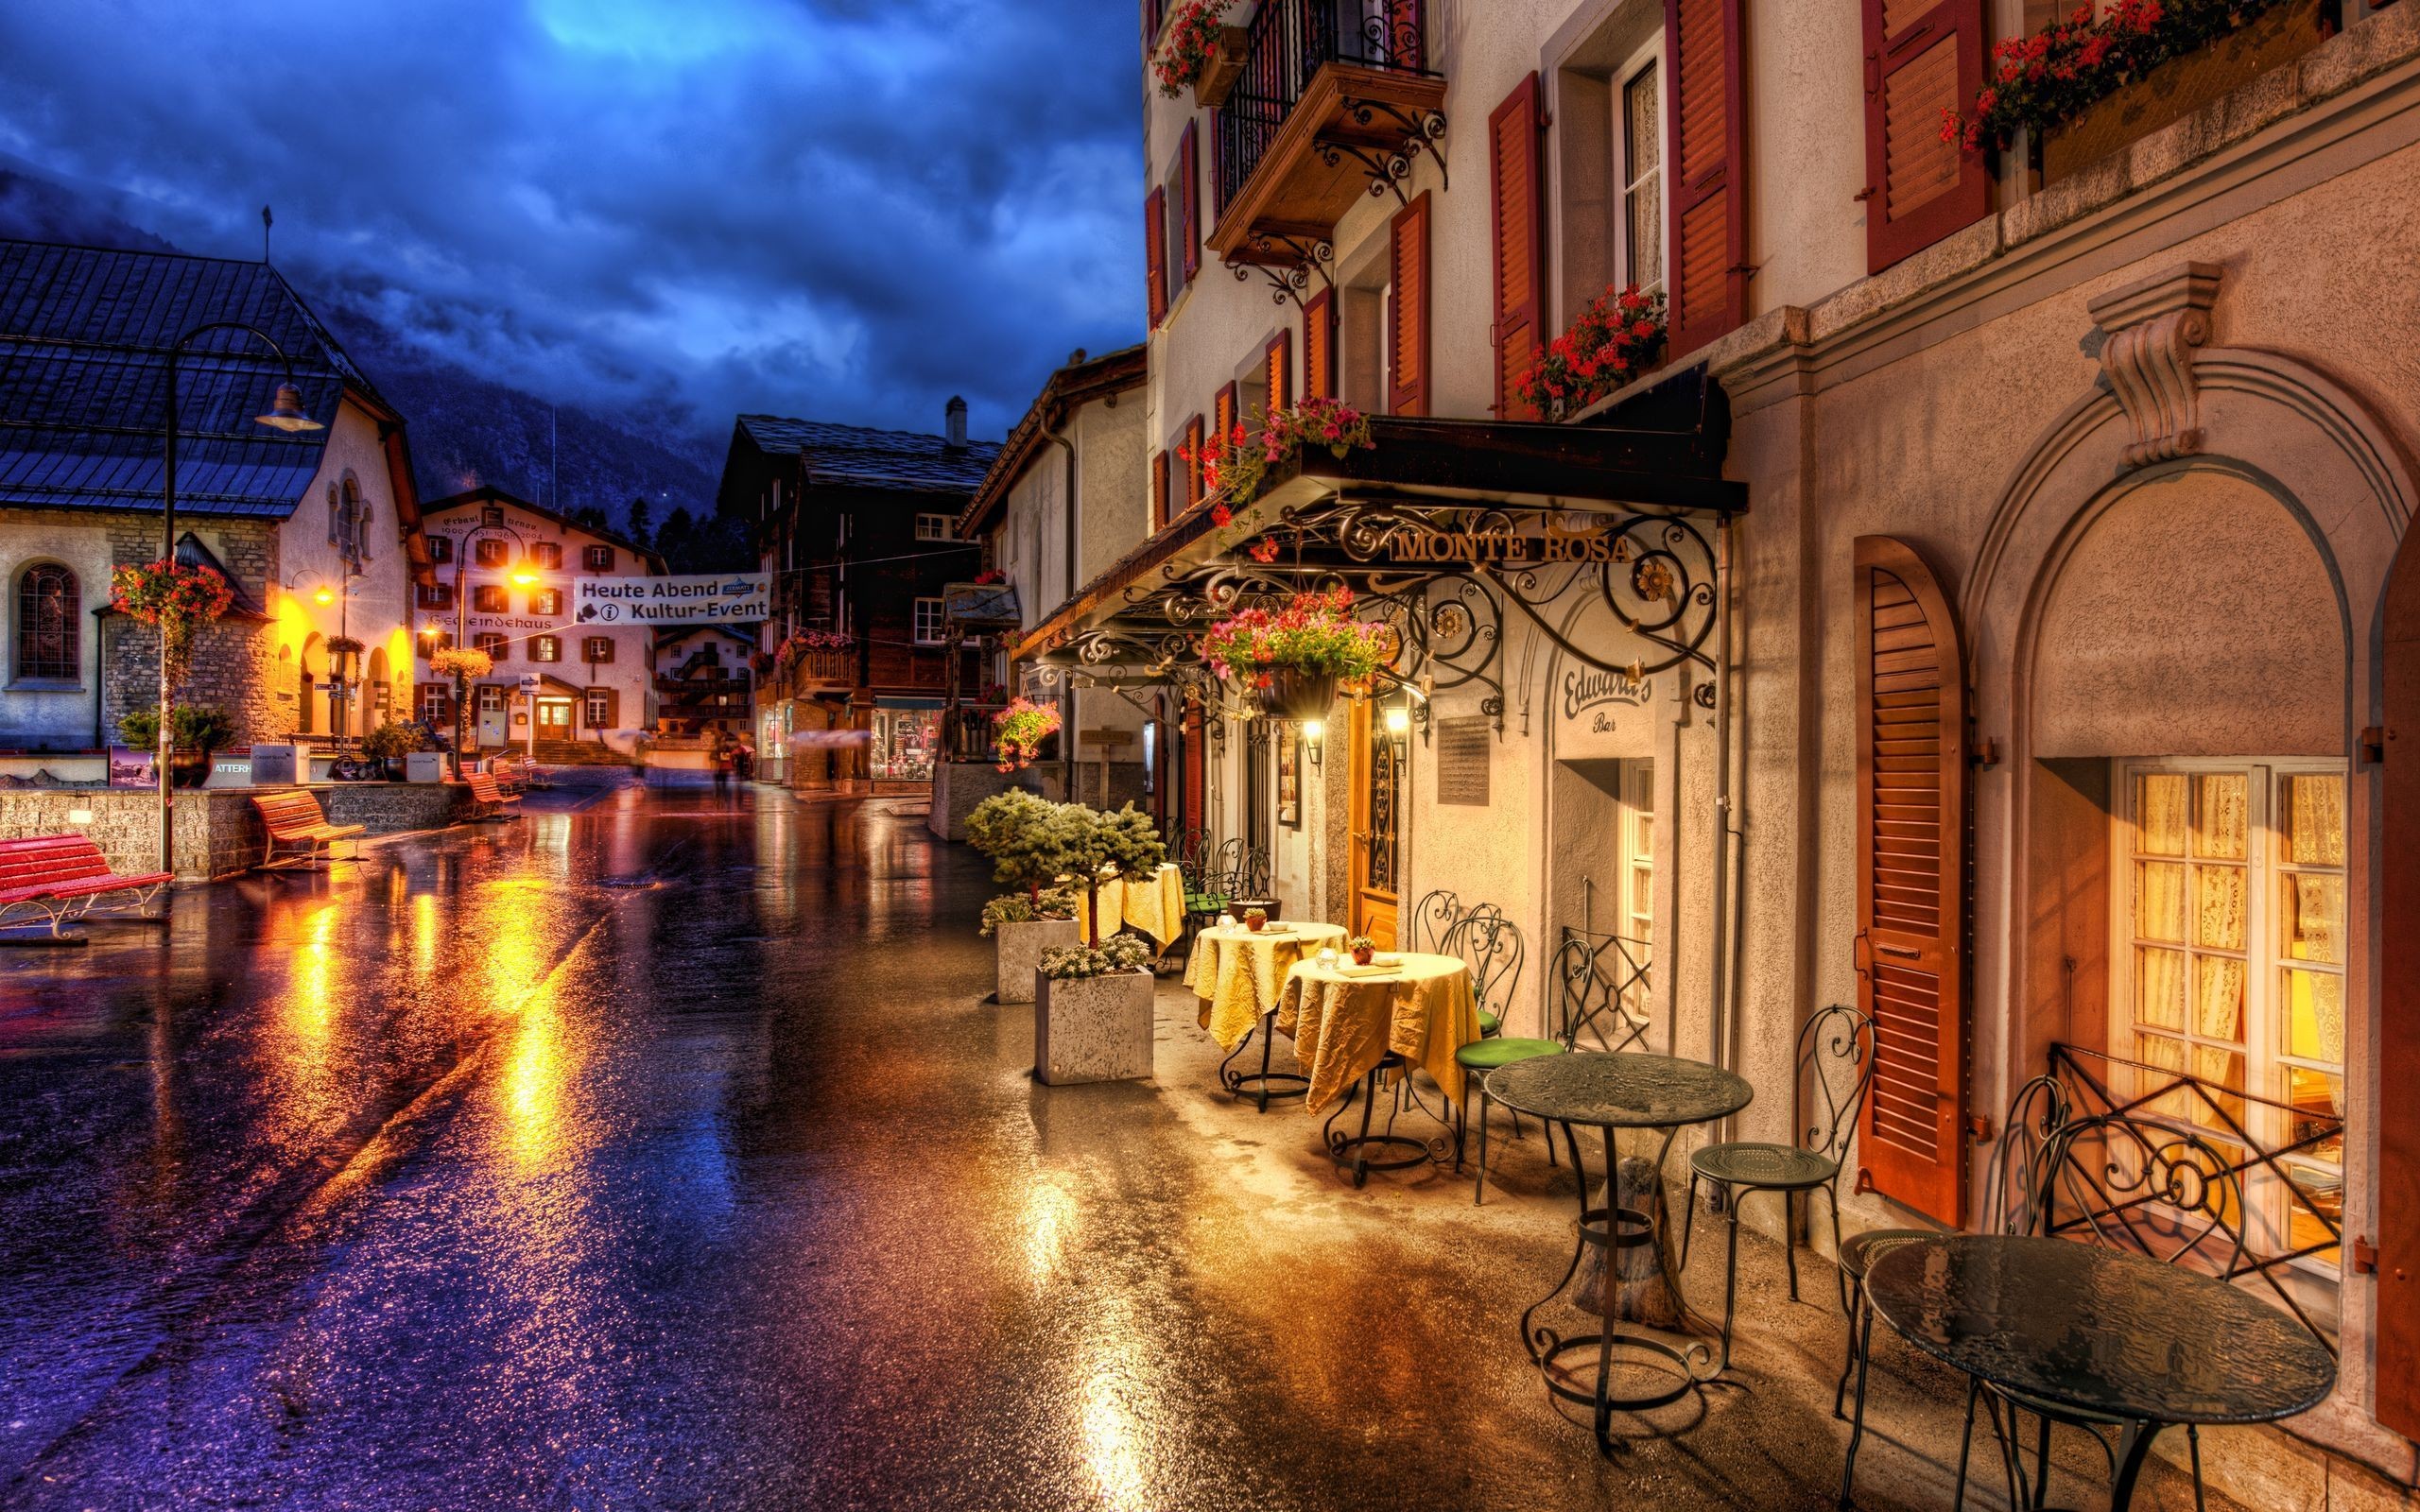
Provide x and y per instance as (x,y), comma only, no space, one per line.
(1444,527)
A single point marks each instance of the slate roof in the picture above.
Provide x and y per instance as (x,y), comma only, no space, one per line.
(856,456)
(85,336)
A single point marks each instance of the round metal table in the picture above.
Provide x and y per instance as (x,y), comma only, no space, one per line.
(2103,1332)
(1611,1092)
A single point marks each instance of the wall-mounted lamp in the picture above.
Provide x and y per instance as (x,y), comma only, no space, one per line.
(1313,732)
(1398,728)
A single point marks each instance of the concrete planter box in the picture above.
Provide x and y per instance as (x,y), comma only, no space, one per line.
(1020,953)
(1094,1029)
(425,766)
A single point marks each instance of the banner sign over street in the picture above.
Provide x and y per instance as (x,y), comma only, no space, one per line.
(701,600)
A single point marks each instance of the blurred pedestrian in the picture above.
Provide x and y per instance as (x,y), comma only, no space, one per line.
(720,754)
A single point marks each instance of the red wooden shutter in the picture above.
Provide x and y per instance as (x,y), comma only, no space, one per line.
(1193,468)
(2398,1183)
(1513,144)
(1151,27)
(1911,880)
(612,709)
(1155,251)
(1706,273)
(1922,58)
(1318,347)
(1279,361)
(1222,415)
(1159,490)
(1408,309)
(1188,164)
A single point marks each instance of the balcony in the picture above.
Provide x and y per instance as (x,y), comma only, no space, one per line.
(824,670)
(698,696)
(1335,105)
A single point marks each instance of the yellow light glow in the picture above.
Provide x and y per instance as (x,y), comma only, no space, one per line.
(324,596)
(1397,721)
(524,577)
(1049,1215)
(1313,729)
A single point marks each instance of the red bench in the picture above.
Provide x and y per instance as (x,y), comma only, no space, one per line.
(489,799)
(63,877)
(294,818)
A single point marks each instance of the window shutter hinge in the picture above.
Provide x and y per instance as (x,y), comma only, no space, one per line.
(1861,196)
(2371,746)
(1978,1128)
(2365,1256)
(1987,752)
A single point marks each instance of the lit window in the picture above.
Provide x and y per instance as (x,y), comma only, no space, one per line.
(929,622)
(934,527)
(547,601)
(545,648)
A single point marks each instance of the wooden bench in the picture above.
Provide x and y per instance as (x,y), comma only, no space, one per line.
(488,799)
(295,818)
(63,877)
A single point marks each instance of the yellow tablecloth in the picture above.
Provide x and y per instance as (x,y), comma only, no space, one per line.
(1343,1025)
(1154,904)
(1236,974)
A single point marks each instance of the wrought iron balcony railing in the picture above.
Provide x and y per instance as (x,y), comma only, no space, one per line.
(1288,42)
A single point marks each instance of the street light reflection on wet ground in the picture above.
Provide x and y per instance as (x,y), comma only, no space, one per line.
(664,1154)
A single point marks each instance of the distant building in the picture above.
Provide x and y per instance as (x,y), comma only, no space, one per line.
(507,575)
(859,530)
(703,680)
(317,531)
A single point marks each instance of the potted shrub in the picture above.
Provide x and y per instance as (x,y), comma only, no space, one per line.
(1092,1013)
(1009,827)
(389,745)
(1255,919)
(1363,948)
(193,734)
(1294,656)
(1077,842)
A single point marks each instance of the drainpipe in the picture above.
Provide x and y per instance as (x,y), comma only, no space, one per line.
(1067,734)
(1726,930)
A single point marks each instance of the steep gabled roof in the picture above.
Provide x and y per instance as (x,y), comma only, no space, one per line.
(856,457)
(488,493)
(1079,383)
(84,339)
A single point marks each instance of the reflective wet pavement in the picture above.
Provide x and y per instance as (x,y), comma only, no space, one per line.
(662,1154)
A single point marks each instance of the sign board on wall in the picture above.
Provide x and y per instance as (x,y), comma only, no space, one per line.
(1602,713)
(703,598)
(1461,759)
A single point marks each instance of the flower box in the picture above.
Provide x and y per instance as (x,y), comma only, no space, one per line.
(1225,66)
(1092,1028)
(1297,692)
(2181,87)
(1020,953)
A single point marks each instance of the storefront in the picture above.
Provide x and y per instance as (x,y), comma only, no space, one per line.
(906,735)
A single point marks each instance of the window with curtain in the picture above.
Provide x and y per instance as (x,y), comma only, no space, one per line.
(1640,134)
(49,603)
(2231,965)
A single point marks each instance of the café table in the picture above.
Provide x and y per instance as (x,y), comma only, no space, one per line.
(1152,901)
(2101,1333)
(1351,1025)
(1612,1091)
(1238,974)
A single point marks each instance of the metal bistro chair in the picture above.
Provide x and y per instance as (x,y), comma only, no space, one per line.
(2111,1168)
(1247,885)
(1433,919)
(1836,1061)
(1205,882)
(2012,1197)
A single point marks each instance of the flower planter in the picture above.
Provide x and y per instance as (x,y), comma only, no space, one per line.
(1092,1028)
(1226,66)
(2181,86)
(1020,951)
(1298,692)
(188,769)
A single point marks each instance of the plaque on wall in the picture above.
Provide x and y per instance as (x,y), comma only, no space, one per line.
(1461,759)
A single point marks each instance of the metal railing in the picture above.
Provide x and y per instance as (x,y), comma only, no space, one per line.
(2091,1208)
(1288,42)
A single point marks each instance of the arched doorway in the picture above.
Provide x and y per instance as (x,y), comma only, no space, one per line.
(314,668)
(379,693)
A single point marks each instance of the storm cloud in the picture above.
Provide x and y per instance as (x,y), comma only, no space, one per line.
(844,208)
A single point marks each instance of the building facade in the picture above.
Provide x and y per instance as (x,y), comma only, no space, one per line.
(507,575)
(1981,612)
(705,681)
(317,531)
(858,529)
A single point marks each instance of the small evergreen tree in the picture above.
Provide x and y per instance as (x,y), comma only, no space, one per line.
(1079,841)
(640,521)
(1011,828)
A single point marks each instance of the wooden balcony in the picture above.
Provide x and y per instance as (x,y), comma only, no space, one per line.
(1335,105)
(824,671)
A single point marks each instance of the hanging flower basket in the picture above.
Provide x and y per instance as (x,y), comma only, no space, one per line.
(1019,730)
(1234,465)
(175,599)
(1297,692)
(461,662)
(1293,658)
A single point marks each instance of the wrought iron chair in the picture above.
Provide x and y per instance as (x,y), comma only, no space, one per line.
(2012,1197)
(2110,1169)
(1590,980)
(1248,883)
(1206,882)
(1434,918)
(1836,1060)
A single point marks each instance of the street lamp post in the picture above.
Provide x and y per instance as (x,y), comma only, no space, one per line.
(286,414)
(521,574)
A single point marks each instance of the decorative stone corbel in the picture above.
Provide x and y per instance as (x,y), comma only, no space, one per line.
(2151,330)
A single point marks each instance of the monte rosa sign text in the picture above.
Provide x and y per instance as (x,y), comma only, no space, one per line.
(700,599)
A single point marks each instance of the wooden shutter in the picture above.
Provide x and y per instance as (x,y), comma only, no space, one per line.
(1159,490)
(1151,27)
(2398,1061)
(1222,415)
(1706,273)
(1188,166)
(1922,58)
(1911,880)
(1193,469)
(1408,309)
(1518,209)
(1155,251)
(1279,361)
(1319,346)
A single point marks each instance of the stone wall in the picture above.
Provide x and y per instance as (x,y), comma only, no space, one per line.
(218,831)
(234,666)
(958,786)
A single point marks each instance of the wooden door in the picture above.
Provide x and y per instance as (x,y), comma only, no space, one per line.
(1911,880)
(1376,778)
(554,719)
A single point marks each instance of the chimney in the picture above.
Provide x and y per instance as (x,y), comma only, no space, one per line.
(956,411)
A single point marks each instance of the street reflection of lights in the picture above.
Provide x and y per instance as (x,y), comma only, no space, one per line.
(426,928)
(535,1080)
(1049,1217)
(1116,1435)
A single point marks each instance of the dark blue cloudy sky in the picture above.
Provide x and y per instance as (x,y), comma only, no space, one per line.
(845,209)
